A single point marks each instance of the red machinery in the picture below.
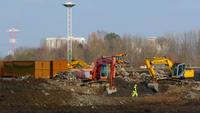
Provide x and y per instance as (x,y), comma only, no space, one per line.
(100,71)
(85,74)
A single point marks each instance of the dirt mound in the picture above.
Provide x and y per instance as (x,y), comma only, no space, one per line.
(29,92)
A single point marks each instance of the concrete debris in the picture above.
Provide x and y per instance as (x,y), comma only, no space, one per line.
(196,88)
(135,74)
(132,75)
(64,76)
(45,93)
(192,95)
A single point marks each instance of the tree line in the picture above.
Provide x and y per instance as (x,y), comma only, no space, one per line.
(179,47)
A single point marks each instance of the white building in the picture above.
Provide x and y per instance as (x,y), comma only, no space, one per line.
(152,40)
(78,39)
(57,42)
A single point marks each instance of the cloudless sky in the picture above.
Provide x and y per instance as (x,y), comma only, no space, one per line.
(38,19)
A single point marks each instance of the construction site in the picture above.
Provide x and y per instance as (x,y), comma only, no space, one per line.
(103,73)
(56,86)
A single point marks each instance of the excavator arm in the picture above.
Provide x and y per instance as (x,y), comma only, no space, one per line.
(158,61)
(112,71)
(151,70)
(78,64)
(163,61)
(120,60)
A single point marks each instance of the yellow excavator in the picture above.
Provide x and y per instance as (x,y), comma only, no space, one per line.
(77,64)
(176,70)
(120,59)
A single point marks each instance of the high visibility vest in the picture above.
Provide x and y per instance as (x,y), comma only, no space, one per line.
(135,91)
(135,87)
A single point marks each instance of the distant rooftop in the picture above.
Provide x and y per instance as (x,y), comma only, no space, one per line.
(52,38)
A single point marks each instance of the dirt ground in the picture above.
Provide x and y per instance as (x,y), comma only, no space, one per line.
(64,96)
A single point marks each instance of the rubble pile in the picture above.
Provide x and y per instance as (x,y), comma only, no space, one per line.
(64,76)
(161,74)
(132,76)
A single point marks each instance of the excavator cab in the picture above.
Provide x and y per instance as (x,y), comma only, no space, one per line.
(119,58)
(104,71)
(178,70)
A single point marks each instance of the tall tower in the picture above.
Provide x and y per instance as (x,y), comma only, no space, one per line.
(12,40)
(69,6)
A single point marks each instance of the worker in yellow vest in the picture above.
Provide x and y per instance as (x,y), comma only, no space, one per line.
(135,94)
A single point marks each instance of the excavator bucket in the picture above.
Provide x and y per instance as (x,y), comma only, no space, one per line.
(153,86)
(111,90)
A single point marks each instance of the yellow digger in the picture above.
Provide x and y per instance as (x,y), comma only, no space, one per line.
(120,60)
(77,64)
(177,70)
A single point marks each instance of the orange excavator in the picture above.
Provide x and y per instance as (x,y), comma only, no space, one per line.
(104,69)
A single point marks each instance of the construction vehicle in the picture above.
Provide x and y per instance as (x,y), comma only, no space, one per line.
(120,60)
(101,72)
(77,64)
(84,74)
(177,70)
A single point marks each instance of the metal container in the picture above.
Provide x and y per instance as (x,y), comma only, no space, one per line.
(22,68)
(1,68)
(42,69)
(7,69)
(59,66)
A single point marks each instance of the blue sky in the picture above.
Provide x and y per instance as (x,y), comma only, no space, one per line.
(38,19)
